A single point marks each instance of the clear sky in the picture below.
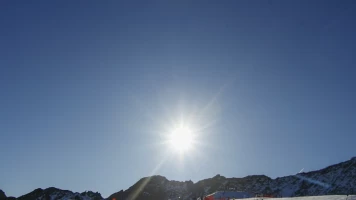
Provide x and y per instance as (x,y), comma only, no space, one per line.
(90,89)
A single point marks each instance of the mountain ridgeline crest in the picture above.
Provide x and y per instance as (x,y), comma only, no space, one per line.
(338,179)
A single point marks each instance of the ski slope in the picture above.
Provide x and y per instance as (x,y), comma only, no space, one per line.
(326,197)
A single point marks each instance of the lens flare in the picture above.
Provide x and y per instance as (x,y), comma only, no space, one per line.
(181,139)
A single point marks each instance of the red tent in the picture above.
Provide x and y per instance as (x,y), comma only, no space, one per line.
(209,197)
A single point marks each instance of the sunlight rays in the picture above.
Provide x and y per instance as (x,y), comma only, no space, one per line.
(182,133)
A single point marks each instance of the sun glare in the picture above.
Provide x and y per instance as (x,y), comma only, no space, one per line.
(181,139)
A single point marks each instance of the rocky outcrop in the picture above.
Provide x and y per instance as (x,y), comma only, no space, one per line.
(335,179)
(2,195)
(58,194)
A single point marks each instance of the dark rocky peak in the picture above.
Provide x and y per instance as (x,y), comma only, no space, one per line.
(157,179)
(219,177)
(190,182)
(53,189)
(56,193)
(91,194)
(32,195)
(257,178)
(117,195)
(2,195)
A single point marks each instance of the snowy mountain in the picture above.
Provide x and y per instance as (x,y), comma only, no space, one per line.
(156,187)
(332,180)
(339,179)
(58,194)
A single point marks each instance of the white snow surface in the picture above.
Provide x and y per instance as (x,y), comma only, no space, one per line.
(325,197)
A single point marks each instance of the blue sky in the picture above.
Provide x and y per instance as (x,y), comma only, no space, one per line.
(90,88)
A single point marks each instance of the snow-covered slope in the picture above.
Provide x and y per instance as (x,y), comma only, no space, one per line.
(325,197)
(332,180)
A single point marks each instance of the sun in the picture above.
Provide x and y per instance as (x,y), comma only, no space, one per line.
(181,139)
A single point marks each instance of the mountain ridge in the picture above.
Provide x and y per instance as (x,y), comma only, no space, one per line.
(332,180)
